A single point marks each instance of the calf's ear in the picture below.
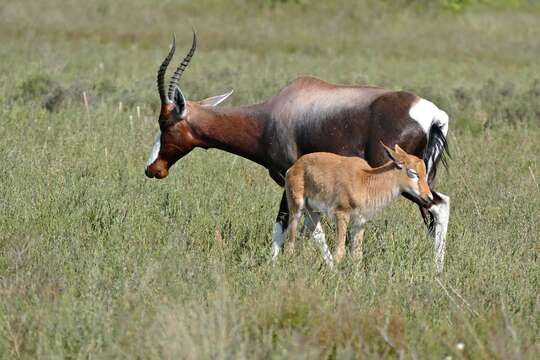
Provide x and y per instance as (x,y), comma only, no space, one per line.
(390,154)
(399,150)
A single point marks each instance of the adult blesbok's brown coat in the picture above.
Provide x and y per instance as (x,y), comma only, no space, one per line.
(347,188)
(308,115)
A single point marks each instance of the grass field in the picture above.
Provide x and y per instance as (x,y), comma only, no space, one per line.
(97,261)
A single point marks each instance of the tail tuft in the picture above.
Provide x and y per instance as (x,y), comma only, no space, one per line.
(436,150)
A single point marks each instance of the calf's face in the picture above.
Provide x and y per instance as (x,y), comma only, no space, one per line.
(413,174)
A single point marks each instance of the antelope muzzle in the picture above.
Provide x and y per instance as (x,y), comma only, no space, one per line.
(159,169)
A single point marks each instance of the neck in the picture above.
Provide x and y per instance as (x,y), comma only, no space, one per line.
(382,185)
(237,130)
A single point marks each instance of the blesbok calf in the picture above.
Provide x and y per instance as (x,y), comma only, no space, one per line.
(350,190)
(308,115)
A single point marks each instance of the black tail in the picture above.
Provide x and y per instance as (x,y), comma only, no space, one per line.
(435,151)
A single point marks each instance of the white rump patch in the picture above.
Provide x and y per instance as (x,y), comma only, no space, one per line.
(425,113)
(155,151)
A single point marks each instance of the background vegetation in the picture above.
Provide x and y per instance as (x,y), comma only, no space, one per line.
(96,261)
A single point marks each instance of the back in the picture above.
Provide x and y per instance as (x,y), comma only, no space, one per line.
(310,115)
(325,164)
(324,177)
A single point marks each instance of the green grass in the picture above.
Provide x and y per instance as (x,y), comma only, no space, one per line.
(96,261)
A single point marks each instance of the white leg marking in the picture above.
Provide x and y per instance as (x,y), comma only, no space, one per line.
(320,240)
(277,239)
(310,221)
(155,151)
(441,215)
(313,228)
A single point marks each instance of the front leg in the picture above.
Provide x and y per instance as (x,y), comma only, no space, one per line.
(280,227)
(356,238)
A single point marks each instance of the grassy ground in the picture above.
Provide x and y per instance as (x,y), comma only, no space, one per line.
(96,261)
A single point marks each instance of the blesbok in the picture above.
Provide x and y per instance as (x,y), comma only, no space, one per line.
(308,115)
(350,190)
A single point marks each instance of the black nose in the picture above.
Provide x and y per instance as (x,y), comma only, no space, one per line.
(147,173)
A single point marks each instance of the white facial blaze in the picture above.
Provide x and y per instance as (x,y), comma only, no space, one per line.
(155,151)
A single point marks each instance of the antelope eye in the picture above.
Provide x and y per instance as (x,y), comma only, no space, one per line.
(412,174)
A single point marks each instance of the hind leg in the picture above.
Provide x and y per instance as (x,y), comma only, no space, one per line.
(310,223)
(342,220)
(295,200)
(314,228)
(440,212)
(294,218)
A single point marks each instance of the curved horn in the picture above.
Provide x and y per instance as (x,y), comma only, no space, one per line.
(178,73)
(161,73)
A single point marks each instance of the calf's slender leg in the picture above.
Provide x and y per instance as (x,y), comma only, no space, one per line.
(296,206)
(294,218)
(356,238)
(342,219)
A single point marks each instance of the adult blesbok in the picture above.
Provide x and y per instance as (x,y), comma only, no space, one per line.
(308,115)
(351,191)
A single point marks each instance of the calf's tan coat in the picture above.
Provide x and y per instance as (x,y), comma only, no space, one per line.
(352,191)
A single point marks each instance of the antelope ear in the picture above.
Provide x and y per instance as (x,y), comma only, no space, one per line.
(180,102)
(215,100)
(390,155)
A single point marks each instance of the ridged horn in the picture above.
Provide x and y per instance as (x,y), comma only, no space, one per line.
(161,74)
(180,69)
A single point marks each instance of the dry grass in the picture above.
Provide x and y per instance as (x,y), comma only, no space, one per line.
(96,261)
